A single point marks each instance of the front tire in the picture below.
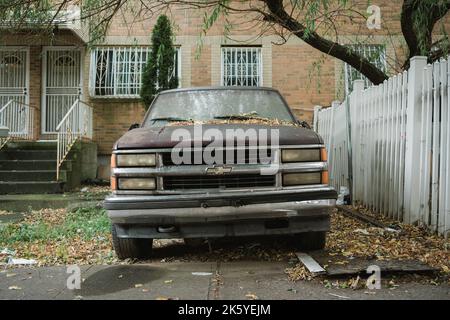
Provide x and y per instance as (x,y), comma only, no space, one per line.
(311,240)
(133,248)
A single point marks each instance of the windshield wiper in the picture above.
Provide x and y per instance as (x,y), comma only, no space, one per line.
(170,119)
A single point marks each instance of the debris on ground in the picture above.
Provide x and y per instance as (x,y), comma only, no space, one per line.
(57,236)
(311,264)
(353,213)
(338,296)
(4,252)
(355,283)
(299,272)
(359,266)
(14,288)
(201,273)
(21,262)
(251,296)
(412,243)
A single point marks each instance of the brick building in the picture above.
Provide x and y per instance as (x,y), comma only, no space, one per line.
(49,73)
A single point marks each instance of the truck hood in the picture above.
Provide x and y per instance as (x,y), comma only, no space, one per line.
(161,137)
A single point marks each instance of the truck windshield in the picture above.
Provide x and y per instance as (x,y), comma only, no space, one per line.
(204,105)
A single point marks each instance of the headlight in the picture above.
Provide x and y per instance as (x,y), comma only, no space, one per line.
(298,179)
(137,183)
(136,160)
(300,155)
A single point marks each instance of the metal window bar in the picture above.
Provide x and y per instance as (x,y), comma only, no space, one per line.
(241,66)
(116,72)
(375,53)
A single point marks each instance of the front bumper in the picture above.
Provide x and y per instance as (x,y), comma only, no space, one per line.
(222,214)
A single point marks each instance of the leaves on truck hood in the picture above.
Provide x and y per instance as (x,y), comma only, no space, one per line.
(236,120)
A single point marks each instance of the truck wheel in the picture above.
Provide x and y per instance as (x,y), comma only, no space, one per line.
(131,247)
(311,240)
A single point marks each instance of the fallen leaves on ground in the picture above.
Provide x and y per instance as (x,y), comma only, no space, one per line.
(82,244)
(348,238)
(352,238)
(411,242)
(251,296)
(298,273)
(252,119)
(6,213)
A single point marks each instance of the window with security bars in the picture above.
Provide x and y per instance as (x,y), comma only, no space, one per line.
(375,53)
(241,66)
(116,72)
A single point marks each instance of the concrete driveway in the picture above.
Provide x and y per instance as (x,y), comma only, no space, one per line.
(192,280)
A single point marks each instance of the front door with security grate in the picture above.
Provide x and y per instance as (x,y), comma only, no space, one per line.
(62,85)
(13,75)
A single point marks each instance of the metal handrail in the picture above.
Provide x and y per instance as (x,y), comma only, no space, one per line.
(64,119)
(76,124)
(19,118)
(6,105)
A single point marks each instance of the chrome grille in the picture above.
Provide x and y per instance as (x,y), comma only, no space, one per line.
(247,158)
(217,182)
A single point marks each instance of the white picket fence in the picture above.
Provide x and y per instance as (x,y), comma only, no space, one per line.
(390,144)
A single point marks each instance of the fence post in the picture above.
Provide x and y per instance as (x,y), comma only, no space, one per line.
(330,146)
(412,153)
(316,118)
(354,119)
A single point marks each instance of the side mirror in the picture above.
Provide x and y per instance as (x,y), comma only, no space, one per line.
(134,126)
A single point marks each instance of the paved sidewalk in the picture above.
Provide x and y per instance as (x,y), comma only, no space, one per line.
(233,280)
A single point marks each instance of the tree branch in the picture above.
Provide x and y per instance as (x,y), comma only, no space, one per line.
(278,14)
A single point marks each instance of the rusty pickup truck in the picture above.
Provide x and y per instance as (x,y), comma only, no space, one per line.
(218,162)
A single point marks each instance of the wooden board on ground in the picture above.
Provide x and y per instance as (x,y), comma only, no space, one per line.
(357,266)
(310,263)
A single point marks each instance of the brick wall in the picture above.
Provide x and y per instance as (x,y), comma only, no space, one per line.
(201,67)
(112,119)
(303,84)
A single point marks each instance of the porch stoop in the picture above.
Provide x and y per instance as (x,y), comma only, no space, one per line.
(30,168)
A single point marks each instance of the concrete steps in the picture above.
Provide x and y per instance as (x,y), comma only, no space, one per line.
(30,168)
(36,175)
(13,154)
(33,165)
(25,187)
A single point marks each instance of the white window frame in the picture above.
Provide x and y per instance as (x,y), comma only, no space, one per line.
(242,79)
(365,50)
(116,88)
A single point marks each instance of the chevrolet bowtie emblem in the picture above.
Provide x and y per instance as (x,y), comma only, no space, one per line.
(219,170)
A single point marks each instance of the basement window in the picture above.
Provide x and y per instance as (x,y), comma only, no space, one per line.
(116,72)
(241,66)
(375,53)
